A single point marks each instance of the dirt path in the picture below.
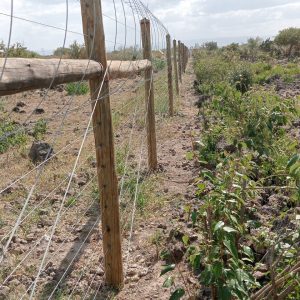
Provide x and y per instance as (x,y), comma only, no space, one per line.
(143,274)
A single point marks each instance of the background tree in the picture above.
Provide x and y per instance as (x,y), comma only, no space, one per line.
(288,39)
(211,46)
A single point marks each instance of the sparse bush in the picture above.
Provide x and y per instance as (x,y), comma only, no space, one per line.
(242,80)
(18,50)
(158,64)
(74,51)
(211,46)
(79,88)
(211,68)
(39,129)
(62,52)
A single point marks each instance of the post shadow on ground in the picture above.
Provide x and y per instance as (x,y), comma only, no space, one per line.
(73,257)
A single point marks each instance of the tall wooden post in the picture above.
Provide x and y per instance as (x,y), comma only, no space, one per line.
(175,66)
(103,132)
(170,76)
(183,57)
(179,61)
(149,96)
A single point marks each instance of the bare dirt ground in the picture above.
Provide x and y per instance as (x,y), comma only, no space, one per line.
(74,267)
(164,229)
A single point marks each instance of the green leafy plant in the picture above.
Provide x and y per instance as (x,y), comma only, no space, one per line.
(40,129)
(158,64)
(80,88)
(11,134)
(242,80)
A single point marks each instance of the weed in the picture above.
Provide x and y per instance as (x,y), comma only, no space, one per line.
(11,134)
(39,129)
(79,88)
(158,64)
(71,202)
(241,79)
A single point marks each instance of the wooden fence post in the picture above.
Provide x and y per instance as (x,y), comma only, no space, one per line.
(175,66)
(103,132)
(179,61)
(149,96)
(170,76)
(183,57)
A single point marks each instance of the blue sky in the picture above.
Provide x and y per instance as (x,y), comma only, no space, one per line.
(189,20)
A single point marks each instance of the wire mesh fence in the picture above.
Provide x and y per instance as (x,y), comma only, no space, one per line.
(50,211)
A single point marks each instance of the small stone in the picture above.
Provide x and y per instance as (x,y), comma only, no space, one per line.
(100,272)
(131,272)
(30,237)
(21,104)
(143,273)
(43,212)
(196,145)
(40,151)
(136,278)
(259,275)
(162,226)
(39,111)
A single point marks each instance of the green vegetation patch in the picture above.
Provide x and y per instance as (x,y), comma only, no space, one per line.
(78,88)
(11,134)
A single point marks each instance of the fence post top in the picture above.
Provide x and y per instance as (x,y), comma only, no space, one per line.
(145,20)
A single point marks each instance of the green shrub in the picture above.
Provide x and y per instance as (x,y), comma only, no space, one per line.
(241,79)
(78,88)
(158,64)
(39,129)
(265,75)
(210,69)
(11,135)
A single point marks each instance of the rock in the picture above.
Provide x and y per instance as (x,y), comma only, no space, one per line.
(30,237)
(176,252)
(135,278)
(18,110)
(59,88)
(262,268)
(143,273)
(162,226)
(21,104)
(196,145)
(40,151)
(259,275)
(39,111)
(194,238)
(43,212)
(202,98)
(81,182)
(131,272)
(296,123)
(93,164)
